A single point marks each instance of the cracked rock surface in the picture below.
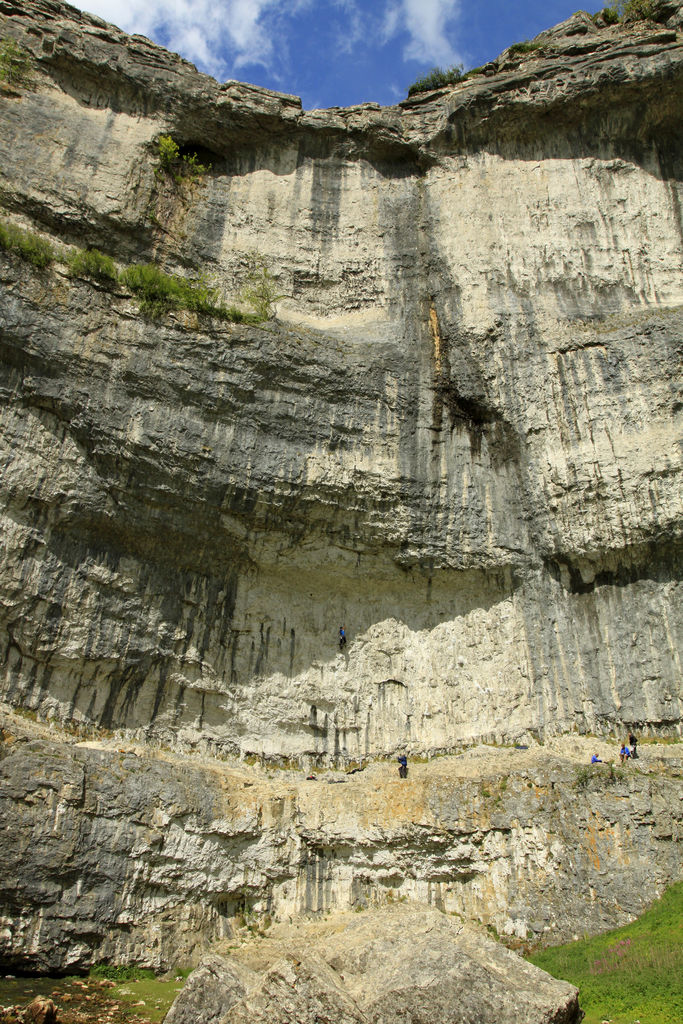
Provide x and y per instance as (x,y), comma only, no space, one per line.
(461,438)
(114,854)
(396,963)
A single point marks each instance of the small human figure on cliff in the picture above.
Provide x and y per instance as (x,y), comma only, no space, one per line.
(342,638)
(633,740)
(595,759)
(624,753)
(403,767)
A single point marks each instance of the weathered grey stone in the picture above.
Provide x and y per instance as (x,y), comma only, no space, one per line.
(399,964)
(116,857)
(40,1010)
(462,438)
(210,991)
(305,991)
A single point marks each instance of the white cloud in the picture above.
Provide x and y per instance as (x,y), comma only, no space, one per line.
(391,26)
(427,24)
(218,35)
(224,36)
(356,25)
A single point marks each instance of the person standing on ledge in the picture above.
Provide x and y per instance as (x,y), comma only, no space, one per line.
(342,638)
(633,740)
(403,767)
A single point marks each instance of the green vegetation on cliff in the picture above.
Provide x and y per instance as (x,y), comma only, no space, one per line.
(26,244)
(631,973)
(612,14)
(632,10)
(260,288)
(93,265)
(15,63)
(524,47)
(436,79)
(158,293)
(180,166)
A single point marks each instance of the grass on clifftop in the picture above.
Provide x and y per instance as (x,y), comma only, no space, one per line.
(631,974)
(437,78)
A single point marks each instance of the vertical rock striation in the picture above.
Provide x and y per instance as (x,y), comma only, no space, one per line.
(461,438)
(117,856)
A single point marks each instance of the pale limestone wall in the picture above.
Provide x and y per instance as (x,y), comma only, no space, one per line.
(152,859)
(461,438)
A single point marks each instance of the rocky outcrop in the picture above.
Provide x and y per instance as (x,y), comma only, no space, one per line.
(398,963)
(115,855)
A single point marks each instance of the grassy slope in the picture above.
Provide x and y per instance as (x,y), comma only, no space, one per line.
(632,973)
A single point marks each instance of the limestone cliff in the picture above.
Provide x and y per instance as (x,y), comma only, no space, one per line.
(114,854)
(461,438)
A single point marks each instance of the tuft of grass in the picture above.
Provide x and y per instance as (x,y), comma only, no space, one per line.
(609,15)
(15,63)
(524,47)
(92,264)
(26,244)
(437,78)
(112,972)
(635,972)
(630,10)
(158,293)
(638,10)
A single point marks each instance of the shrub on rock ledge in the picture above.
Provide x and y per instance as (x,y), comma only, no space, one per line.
(15,63)
(26,244)
(93,264)
(181,167)
(524,47)
(159,293)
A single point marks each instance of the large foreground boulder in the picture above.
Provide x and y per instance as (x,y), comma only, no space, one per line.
(398,964)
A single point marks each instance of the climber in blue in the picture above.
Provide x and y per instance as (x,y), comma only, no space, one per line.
(342,638)
(403,767)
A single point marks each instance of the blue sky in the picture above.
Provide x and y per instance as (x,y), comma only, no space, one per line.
(333,52)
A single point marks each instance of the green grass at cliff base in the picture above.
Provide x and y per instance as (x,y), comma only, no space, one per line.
(634,973)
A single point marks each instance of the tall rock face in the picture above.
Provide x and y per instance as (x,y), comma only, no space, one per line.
(461,438)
